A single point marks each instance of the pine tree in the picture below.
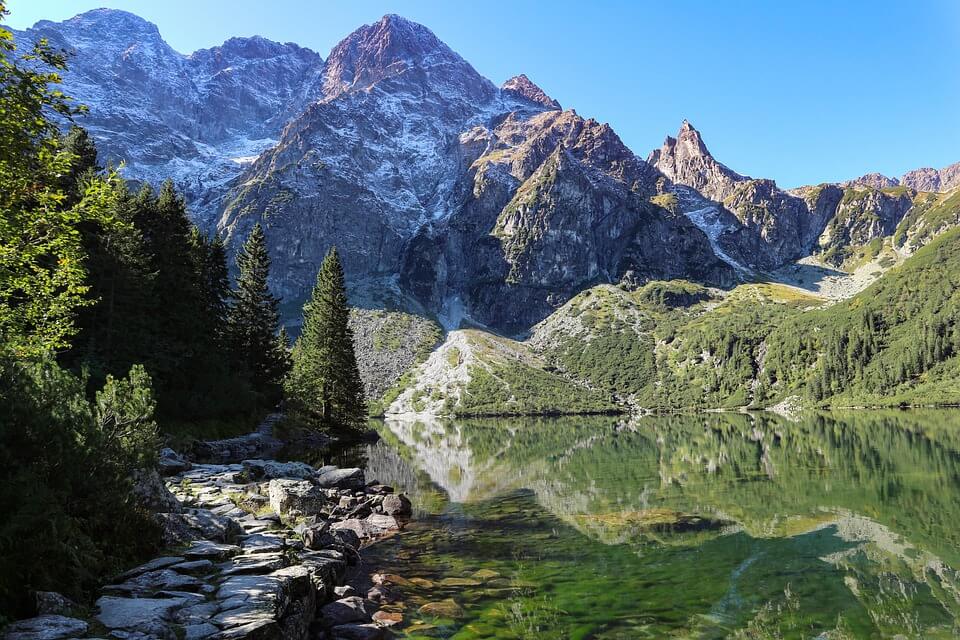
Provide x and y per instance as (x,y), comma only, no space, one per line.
(324,385)
(254,319)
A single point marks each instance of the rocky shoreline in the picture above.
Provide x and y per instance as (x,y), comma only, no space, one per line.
(257,550)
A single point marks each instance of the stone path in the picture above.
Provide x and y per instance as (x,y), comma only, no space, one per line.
(258,550)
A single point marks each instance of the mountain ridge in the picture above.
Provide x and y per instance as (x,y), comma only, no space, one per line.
(432,180)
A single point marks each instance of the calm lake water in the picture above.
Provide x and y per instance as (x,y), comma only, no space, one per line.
(704,526)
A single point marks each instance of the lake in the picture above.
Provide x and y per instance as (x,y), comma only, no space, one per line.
(839,525)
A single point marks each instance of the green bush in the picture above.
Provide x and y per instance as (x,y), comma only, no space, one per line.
(69,515)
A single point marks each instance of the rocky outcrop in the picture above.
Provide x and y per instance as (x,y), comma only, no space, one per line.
(522,87)
(686,160)
(924,179)
(243,574)
(552,204)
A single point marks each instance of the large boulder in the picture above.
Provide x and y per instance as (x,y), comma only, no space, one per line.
(198,524)
(291,499)
(333,478)
(171,463)
(345,611)
(152,493)
(150,616)
(51,602)
(46,627)
(270,469)
(396,505)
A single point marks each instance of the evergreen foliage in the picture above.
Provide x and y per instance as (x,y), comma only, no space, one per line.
(254,320)
(65,464)
(324,387)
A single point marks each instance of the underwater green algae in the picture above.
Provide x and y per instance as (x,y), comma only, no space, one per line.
(682,527)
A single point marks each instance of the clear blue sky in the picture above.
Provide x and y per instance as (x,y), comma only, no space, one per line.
(801,92)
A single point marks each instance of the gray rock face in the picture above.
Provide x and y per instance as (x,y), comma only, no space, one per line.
(550,203)
(294,498)
(929,179)
(269,469)
(521,87)
(45,627)
(52,603)
(925,179)
(686,160)
(341,479)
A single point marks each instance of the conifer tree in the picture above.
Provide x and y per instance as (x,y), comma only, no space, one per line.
(254,319)
(324,385)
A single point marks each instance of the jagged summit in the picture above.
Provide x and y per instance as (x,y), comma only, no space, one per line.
(686,160)
(523,87)
(115,18)
(392,46)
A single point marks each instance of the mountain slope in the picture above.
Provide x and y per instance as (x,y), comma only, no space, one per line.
(409,157)
(197,119)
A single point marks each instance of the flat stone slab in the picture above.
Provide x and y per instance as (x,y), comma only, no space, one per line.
(150,582)
(204,549)
(153,565)
(46,627)
(261,543)
(129,613)
(256,563)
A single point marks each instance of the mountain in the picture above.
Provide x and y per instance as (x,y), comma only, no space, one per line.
(756,226)
(197,119)
(925,179)
(482,203)
(447,195)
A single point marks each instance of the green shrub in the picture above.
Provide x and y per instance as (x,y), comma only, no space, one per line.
(69,516)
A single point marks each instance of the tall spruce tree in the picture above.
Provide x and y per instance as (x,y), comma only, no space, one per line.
(324,386)
(254,320)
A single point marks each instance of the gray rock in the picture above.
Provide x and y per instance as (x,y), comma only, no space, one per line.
(198,524)
(172,463)
(45,627)
(205,549)
(139,614)
(260,630)
(358,632)
(153,565)
(152,493)
(196,613)
(379,523)
(193,567)
(341,479)
(198,631)
(256,563)
(51,602)
(295,498)
(345,591)
(271,469)
(346,610)
(262,543)
(149,583)
(396,505)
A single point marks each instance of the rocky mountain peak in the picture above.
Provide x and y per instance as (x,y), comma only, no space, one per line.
(874,180)
(521,86)
(391,47)
(690,143)
(686,160)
